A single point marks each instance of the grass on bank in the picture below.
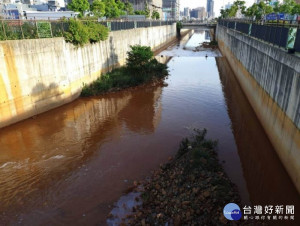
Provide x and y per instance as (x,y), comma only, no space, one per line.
(140,68)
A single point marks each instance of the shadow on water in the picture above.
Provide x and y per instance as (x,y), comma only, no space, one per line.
(41,157)
(267,181)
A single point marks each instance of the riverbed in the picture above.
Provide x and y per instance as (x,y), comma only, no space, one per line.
(71,164)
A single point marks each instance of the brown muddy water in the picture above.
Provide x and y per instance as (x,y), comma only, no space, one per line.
(70,165)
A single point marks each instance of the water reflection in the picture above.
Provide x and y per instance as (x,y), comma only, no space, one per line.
(192,47)
(37,153)
(267,181)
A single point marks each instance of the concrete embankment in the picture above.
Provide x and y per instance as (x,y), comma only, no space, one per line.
(270,79)
(41,74)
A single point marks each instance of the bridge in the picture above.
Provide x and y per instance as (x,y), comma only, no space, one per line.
(199,24)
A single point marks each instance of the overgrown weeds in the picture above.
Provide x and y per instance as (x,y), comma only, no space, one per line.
(80,33)
(141,68)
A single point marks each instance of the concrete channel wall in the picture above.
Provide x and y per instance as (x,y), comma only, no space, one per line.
(270,79)
(40,74)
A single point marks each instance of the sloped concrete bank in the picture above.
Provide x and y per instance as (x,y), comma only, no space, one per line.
(270,79)
(40,74)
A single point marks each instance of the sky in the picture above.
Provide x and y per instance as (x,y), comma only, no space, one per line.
(217,5)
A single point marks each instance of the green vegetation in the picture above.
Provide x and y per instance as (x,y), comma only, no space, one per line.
(98,8)
(96,32)
(80,34)
(145,12)
(79,6)
(259,10)
(113,8)
(140,68)
(178,27)
(232,11)
(288,6)
(155,15)
(44,29)
(213,43)
(129,8)
(12,30)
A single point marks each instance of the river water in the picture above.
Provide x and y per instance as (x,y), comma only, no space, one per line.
(71,164)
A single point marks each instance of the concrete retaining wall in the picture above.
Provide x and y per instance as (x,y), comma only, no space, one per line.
(41,74)
(270,79)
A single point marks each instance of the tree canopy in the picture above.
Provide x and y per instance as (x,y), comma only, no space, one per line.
(259,10)
(98,8)
(232,11)
(79,6)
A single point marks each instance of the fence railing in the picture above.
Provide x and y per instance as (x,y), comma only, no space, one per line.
(285,35)
(33,29)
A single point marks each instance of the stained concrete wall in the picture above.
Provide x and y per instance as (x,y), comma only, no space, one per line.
(41,74)
(270,79)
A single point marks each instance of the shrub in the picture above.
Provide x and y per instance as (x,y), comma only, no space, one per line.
(155,15)
(138,56)
(77,33)
(96,31)
(44,29)
(178,27)
(140,68)
(80,34)
(29,30)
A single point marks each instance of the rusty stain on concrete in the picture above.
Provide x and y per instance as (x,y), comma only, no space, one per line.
(281,130)
(12,71)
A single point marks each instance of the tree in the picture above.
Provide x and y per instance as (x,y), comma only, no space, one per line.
(252,11)
(112,9)
(296,9)
(259,10)
(129,8)
(79,6)
(232,11)
(120,4)
(98,8)
(287,6)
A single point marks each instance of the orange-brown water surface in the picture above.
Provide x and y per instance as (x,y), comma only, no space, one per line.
(70,165)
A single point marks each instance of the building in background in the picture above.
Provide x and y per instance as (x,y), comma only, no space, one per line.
(198,13)
(10,11)
(210,9)
(17,9)
(50,15)
(153,5)
(186,12)
(171,9)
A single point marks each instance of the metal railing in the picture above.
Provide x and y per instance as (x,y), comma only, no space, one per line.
(34,29)
(285,34)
